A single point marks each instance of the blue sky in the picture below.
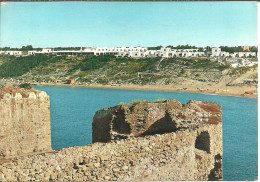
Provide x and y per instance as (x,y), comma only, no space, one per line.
(53,24)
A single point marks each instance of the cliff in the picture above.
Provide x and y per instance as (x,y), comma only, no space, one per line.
(161,141)
(25,122)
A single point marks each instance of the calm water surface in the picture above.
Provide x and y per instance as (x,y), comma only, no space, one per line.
(72,110)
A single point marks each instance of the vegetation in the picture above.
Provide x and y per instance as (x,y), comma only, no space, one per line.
(67,48)
(108,69)
(159,100)
(134,102)
(24,48)
(155,48)
(238,71)
(182,47)
(25,85)
(93,62)
(253,49)
(31,48)
(17,66)
(231,49)
(208,48)
(195,63)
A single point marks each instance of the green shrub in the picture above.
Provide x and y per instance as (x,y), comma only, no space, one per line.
(18,66)
(25,85)
(159,100)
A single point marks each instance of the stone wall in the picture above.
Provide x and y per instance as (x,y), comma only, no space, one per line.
(24,121)
(170,156)
(192,151)
(201,121)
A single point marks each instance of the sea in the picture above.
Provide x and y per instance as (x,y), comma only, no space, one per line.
(72,110)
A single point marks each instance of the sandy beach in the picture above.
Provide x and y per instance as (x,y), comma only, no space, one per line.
(238,91)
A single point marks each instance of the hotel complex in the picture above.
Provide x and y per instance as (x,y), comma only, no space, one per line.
(137,52)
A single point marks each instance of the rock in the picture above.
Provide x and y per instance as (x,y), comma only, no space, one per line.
(125,168)
(58,168)
(18,96)
(53,176)
(31,95)
(107,178)
(97,165)
(116,169)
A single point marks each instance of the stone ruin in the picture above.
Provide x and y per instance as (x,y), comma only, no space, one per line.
(145,141)
(202,120)
(24,121)
(146,118)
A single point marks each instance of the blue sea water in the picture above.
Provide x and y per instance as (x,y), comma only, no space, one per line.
(72,110)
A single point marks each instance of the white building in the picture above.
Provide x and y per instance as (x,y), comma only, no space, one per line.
(241,62)
(44,50)
(11,53)
(216,52)
(244,54)
(169,53)
(224,54)
(165,52)
(122,51)
(31,53)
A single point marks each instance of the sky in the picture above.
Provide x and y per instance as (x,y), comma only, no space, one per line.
(87,24)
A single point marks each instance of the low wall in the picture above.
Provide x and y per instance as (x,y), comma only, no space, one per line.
(171,156)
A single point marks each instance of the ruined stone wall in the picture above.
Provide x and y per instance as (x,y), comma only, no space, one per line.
(201,120)
(193,151)
(170,156)
(24,121)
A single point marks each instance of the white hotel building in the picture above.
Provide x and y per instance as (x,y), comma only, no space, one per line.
(11,53)
(136,52)
(216,52)
(169,53)
(125,52)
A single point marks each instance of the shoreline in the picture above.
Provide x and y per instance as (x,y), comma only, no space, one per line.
(231,91)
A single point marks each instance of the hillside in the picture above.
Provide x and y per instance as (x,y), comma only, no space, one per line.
(109,69)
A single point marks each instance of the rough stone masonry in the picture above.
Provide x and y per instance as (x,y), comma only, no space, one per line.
(24,121)
(196,150)
(144,141)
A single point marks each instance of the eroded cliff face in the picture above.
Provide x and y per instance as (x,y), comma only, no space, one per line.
(24,121)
